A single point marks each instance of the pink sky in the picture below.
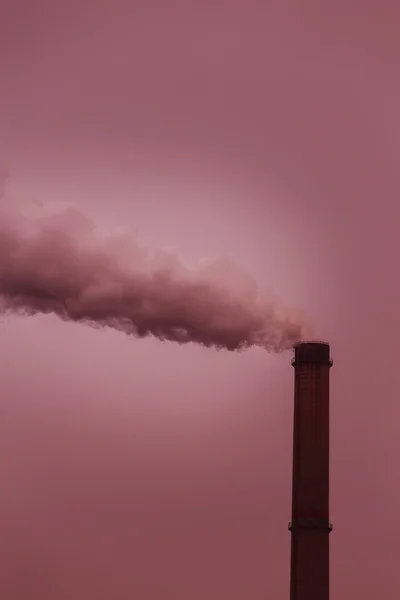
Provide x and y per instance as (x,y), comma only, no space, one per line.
(267,132)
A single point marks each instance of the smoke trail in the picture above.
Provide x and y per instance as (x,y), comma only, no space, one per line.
(57,261)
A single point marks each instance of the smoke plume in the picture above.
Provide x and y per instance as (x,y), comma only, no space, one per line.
(55,260)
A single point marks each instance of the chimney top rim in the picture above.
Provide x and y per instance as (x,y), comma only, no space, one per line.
(313,342)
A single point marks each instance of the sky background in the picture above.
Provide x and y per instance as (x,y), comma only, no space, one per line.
(266,132)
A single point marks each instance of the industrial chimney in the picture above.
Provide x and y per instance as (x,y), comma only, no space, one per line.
(310,527)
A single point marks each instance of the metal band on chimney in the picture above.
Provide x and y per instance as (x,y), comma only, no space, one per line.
(310,523)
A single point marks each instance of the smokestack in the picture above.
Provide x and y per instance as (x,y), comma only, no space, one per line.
(310,526)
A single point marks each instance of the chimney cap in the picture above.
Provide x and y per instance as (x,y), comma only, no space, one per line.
(311,352)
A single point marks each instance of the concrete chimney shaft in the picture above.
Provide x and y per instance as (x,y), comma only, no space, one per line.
(310,526)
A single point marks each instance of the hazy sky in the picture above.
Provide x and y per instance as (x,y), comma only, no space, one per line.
(267,132)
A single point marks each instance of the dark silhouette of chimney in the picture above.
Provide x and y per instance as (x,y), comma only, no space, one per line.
(310,526)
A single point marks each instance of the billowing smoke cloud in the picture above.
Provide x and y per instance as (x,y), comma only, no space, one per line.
(55,260)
